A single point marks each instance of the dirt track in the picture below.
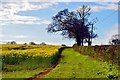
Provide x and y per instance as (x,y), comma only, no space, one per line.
(46,71)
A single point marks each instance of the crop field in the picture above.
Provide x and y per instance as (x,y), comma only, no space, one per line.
(24,61)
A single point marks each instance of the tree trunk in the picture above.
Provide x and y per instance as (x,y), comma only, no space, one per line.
(82,41)
(89,42)
(78,40)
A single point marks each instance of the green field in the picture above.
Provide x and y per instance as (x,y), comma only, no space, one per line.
(75,65)
(25,61)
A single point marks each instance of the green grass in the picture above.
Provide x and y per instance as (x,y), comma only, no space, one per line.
(25,69)
(76,65)
(22,74)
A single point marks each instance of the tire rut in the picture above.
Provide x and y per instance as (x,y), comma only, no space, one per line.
(46,71)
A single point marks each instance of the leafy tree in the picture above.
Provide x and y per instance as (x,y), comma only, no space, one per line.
(74,24)
(115,39)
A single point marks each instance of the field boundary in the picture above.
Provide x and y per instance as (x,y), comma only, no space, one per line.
(46,71)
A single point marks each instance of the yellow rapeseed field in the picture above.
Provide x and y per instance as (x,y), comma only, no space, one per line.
(24,61)
(19,51)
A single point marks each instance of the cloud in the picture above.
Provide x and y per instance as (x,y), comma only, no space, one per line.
(97,0)
(9,10)
(21,36)
(109,0)
(61,0)
(5,41)
(16,19)
(3,36)
(104,6)
(100,6)
(107,36)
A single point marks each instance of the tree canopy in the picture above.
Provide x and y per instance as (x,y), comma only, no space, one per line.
(74,24)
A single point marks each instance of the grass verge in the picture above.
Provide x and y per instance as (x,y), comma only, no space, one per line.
(76,65)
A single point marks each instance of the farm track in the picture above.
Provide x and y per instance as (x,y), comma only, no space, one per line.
(46,71)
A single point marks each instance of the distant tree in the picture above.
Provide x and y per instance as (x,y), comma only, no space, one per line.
(12,42)
(43,43)
(74,24)
(8,43)
(32,43)
(25,43)
(63,45)
(115,39)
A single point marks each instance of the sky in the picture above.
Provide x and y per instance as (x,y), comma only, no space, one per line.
(26,20)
